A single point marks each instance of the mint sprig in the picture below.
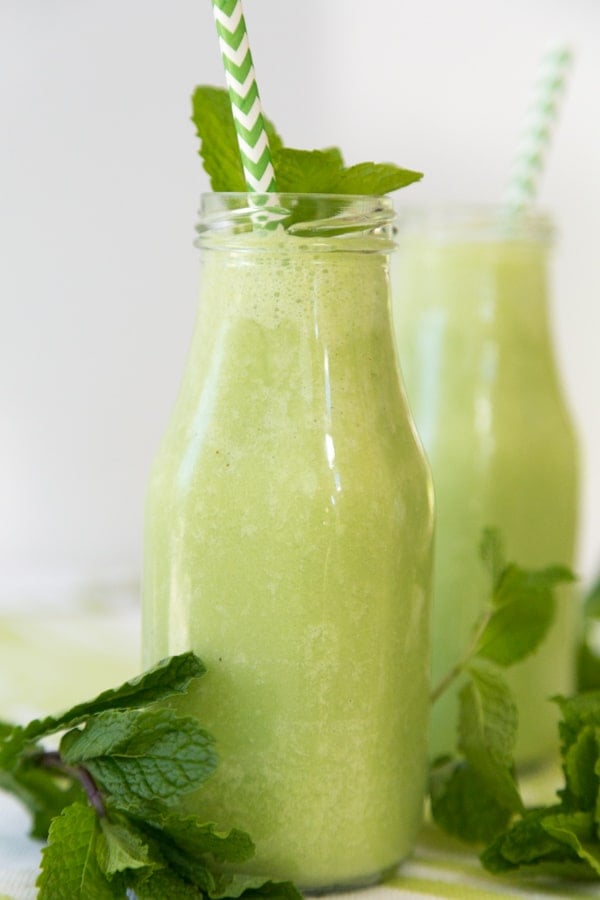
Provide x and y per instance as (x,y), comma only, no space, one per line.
(296,171)
(518,613)
(474,792)
(106,798)
(562,839)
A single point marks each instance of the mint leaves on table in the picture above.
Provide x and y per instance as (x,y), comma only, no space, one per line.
(563,839)
(474,793)
(296,171)
(106,798)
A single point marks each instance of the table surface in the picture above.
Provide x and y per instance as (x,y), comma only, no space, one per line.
(439,867)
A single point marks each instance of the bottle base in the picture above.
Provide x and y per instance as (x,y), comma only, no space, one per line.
(354,884)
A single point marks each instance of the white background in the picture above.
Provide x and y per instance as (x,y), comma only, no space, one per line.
(99,186)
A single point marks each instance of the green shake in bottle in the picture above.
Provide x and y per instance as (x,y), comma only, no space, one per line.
(288,542)
(472,325)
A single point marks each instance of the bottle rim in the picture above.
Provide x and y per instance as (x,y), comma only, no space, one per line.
(330,221)
(486,223)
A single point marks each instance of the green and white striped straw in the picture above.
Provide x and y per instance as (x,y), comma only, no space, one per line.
(540,120)
(243,92)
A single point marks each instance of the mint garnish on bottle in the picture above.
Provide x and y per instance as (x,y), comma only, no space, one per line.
(296,171)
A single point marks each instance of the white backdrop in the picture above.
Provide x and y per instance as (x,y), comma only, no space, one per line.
(99,185)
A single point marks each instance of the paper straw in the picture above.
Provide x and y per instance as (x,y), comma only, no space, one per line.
(540,120)
(243,92)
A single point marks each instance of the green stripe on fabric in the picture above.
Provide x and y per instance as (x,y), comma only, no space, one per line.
(473,869)
(449,889)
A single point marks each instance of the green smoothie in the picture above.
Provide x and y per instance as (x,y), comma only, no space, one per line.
(288,539)
(472,328)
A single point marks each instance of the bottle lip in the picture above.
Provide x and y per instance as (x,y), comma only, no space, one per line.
(333,221)
(487,223)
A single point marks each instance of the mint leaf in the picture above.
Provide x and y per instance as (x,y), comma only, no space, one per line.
(579,730)
(488,731)
(250,887)
(163,884)
(488,715)
(578,831)
(70,870)
(123,848)
(199,838)
(475,798)
(307,171)
(524,610)
(165,679)
(191,847)
(528,844)
(461,803)
(580,760)
(374,178)
(577,712)
(212,116)
(323,172)
(547,842)
(140,757)
(13,742)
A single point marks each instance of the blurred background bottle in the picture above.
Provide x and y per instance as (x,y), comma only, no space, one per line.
(472,327)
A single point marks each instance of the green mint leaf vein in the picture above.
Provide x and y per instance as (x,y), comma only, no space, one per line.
(167,678)
(140,757)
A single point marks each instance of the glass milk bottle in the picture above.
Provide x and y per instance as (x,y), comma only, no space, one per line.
(472,327)
(288,541)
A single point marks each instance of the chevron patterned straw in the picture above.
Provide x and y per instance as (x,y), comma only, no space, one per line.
(243,92)
(541,117)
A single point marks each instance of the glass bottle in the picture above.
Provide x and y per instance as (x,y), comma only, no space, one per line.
(472,326)
(288,540)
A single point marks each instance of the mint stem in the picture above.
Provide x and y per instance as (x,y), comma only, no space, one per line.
(459,667)
(51,759)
